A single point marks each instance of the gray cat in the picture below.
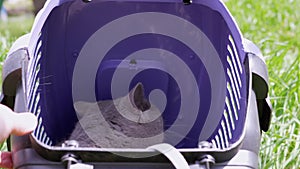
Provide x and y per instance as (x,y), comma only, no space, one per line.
(127,122)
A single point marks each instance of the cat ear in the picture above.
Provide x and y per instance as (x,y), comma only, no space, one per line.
(137,98)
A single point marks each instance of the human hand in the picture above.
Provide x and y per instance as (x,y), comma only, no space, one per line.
(16,124)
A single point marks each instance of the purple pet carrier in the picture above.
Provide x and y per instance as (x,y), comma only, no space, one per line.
(210,83)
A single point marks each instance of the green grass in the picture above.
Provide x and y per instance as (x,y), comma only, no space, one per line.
(274,26)
(11,30)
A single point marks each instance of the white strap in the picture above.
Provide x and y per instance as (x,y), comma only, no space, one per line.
(172,154)
(81,166)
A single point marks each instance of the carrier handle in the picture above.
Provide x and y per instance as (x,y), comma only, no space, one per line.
(260,83)
(12,70)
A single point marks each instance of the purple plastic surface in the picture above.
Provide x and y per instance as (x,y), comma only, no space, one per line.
(68,28)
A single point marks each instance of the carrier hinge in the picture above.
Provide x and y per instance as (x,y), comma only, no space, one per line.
(72,161)
(207,160)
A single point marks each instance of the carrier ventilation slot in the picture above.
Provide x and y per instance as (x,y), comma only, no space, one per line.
(34,94)
(34,66)
(228,123)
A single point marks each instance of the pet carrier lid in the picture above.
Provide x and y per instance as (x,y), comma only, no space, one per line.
(189,58)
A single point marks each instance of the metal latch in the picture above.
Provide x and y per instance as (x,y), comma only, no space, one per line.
(71,160)
(207,160)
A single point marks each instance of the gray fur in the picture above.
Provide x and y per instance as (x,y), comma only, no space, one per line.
(127,122)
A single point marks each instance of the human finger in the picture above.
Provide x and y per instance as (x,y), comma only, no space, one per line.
(6,160)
